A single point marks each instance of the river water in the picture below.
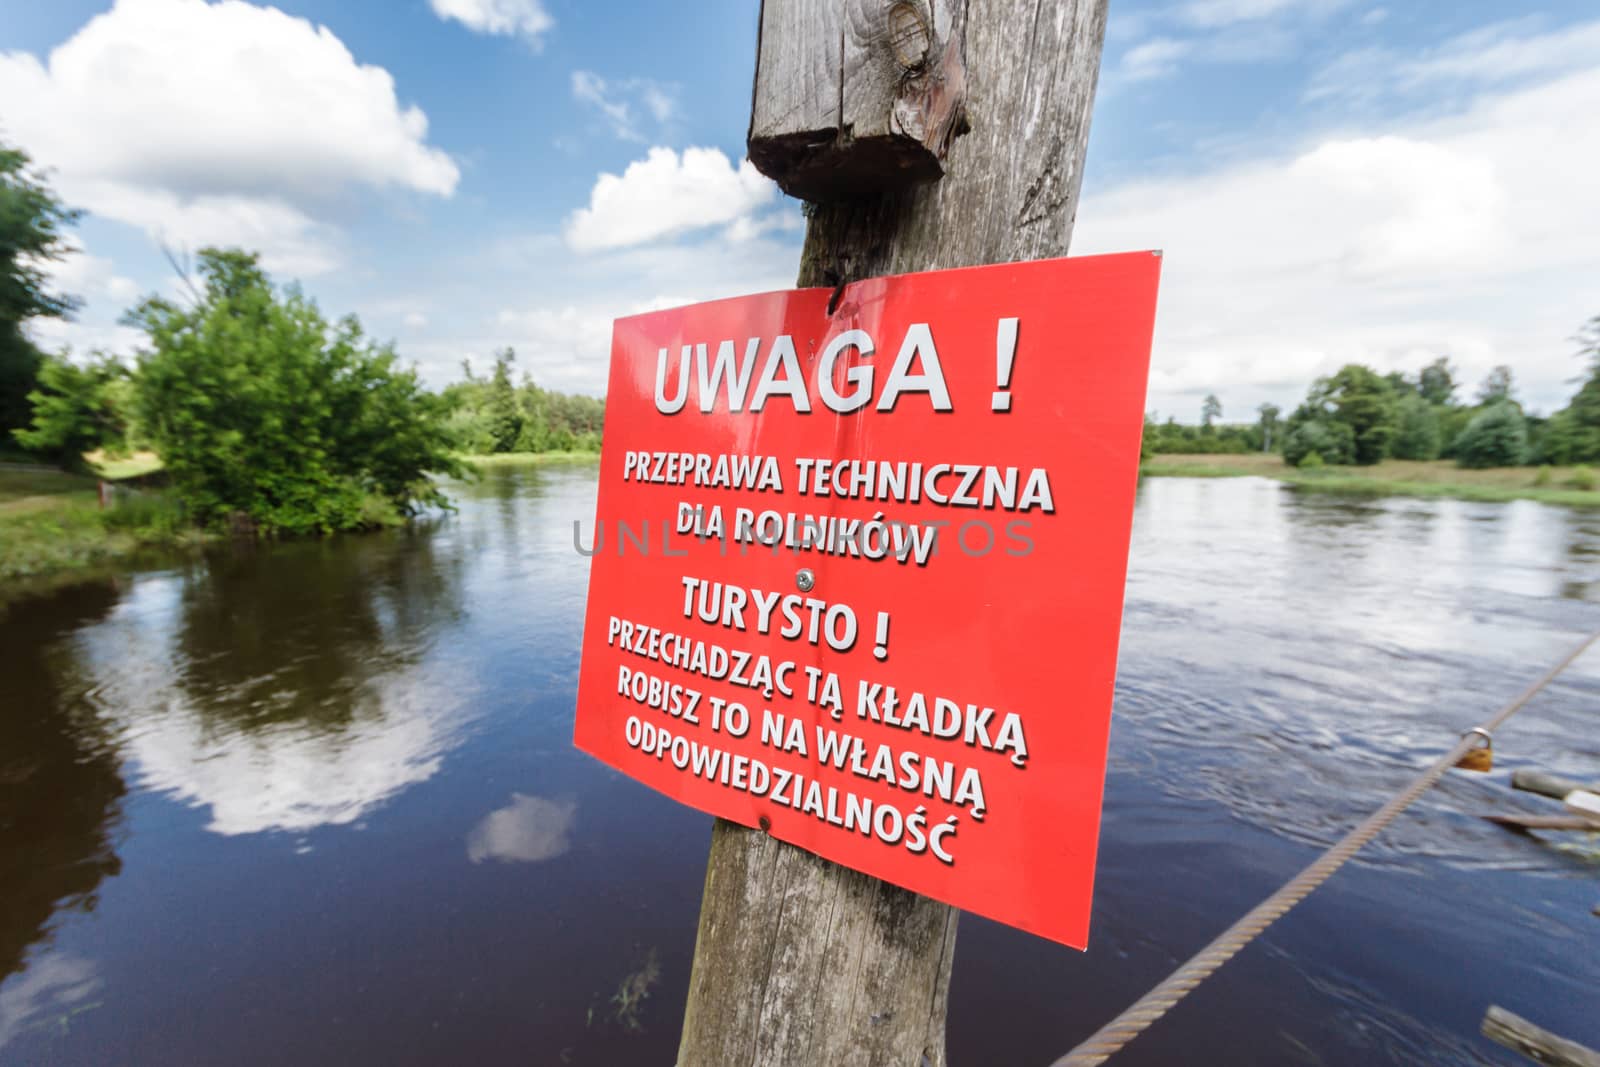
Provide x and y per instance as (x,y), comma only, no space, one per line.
(317,803)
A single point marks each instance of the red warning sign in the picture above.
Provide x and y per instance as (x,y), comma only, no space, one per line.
(858,574)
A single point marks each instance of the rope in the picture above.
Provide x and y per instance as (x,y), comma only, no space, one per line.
(1111,1037)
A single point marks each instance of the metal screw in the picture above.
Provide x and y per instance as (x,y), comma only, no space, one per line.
(804,580)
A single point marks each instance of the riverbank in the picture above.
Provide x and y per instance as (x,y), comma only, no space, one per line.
(518,459)
(52,522)
(1392,477)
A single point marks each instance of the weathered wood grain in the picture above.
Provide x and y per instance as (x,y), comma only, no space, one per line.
(1535,1042)
(855,94)
(1548,785)
(800,962)
(799,71)
(1010,190)
(803,962)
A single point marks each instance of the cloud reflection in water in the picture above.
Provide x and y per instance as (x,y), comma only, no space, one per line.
(528,830)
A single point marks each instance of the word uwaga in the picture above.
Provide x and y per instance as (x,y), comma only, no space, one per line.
(781,375)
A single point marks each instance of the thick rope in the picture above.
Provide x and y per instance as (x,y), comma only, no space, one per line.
(1111,1037)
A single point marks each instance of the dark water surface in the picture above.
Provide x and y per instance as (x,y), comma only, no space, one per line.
(317,803)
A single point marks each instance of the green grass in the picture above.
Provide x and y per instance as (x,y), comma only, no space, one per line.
(52,522)
(514,459)
(1416,478)
(1159,468)
(22,488)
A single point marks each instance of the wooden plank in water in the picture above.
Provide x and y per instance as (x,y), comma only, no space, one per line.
(1542,822)
(1585,805)
(1535,1042)
(1548,785)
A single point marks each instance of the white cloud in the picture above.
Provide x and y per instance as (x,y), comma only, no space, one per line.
(1500,54)
(1213,14)
(565,348)
(104,295)
(47,990)
(87,277)
(55,335)
(528,830)
(1155,58)
(563,336)
(291,773)
(620,102)
(1453,236)
(504,18)
(218,122)
(666,194)
(414,320)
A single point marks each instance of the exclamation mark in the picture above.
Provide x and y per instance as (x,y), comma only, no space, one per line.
(881,649)
(1005,350)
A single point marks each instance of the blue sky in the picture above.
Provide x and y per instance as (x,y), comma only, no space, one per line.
(1331,180)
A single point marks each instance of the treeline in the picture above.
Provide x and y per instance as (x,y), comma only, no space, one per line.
(267,417)
(1358,416)
(490,415)
(1210,437)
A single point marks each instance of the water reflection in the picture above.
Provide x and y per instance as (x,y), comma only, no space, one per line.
(51,993)
(527,830)
(61,791)
(281,690)
(1285,662)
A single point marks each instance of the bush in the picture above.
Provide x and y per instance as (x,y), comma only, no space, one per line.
(1418,436)
(267,416)
(1311,461)
(77,409)
(1542,479)
(1496,437)
(1581,478)
(1332,442)
(150,513)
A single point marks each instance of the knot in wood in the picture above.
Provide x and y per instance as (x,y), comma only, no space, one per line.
(908,34)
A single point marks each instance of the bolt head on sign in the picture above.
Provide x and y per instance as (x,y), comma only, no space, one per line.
(948,464)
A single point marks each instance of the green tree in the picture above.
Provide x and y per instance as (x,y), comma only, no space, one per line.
(1496,437)
(1268,422)
(1497,386)
(1210,411)
(77,409)
(1418,436)
(1361,399)
(1572,435)
(504,413)
(1399,384)
(32,222)
(1437,383)
(1330,440)
(262,408)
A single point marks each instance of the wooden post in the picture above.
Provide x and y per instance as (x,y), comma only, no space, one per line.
(1535,1042)
(799,961)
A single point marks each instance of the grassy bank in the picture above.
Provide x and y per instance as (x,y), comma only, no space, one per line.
(518,459)
(1393,477)
(52,524)
(51,521)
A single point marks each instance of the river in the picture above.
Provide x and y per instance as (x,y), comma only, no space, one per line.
(317,802)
